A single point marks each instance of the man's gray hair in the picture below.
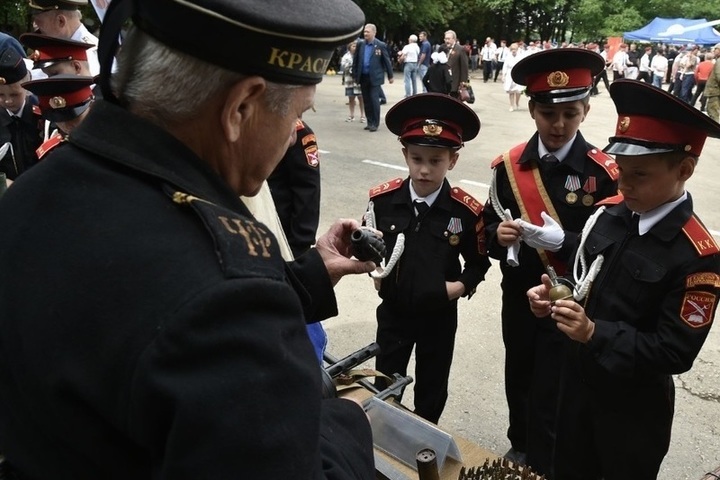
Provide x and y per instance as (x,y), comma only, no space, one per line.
(167,87)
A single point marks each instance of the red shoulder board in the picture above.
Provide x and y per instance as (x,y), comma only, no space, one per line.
(49,145)
(466,199)
(701,239)
(386,187)
(514,154)
(605,161)
(611,200)
(36,110)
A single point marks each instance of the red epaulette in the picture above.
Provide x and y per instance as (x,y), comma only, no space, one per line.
(37,111)
(701,239)
(385,187)
(605,161)
(513,152)
(466,199)
(611,200)
(49,145)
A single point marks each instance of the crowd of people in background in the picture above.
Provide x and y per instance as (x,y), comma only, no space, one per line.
(683,70)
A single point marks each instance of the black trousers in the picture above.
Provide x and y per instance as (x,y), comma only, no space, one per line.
(433,336)
(611,430)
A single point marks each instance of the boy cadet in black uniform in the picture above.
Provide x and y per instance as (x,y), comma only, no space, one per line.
(648,278)
(436,223)
(20,122)
(295,188)
(542,193)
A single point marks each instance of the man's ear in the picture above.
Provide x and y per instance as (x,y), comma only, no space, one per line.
(242,100)
(61,20)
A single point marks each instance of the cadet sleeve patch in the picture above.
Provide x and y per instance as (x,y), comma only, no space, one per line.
(466,199)
(709,279)
(605,161)
(697,309)
(36,110)
(701,239)
(312,155)
(615,200)
(385,187)
(244,247)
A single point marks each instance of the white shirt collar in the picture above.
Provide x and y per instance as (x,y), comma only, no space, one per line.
(430,199)
(649,219)
(561,153)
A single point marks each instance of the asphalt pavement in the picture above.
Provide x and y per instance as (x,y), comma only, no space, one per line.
(354,160)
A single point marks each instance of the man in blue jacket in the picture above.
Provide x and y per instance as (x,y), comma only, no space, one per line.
(374,60)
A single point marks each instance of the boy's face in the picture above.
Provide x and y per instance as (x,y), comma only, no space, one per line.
(428,166)
(648,181)
(12,96)
(557,123)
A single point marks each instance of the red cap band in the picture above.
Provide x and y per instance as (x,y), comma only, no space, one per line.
(559,80)
(56,52)
(65,100)
(652,129)
(430,128)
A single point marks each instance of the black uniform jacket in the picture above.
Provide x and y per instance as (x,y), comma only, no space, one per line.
(147,334)
(572,215)
(432,250)
(295,188)
(25,135)
(653,302)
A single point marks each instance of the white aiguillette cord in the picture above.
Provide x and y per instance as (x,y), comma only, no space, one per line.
(384,270)
(512,250)
(586,277)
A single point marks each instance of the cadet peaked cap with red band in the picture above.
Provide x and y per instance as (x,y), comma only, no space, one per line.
(62,97)
(433,120)
(51,50)
(12,66)
(44,5)
(558,75)
(292,42)
(650,120)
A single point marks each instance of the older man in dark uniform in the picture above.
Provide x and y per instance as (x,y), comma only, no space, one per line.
(150,326)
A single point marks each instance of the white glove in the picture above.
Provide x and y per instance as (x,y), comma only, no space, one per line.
(548,237)
(514,249)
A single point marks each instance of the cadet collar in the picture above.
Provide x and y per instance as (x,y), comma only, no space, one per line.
(649,219)
(560,154)
(430,199)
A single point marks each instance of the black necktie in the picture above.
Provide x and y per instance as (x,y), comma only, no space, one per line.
(421,207)
(634,227)
(550,158)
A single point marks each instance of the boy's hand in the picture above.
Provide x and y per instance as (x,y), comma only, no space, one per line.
(508,232)
(572,321)
(539,297)
(454,290)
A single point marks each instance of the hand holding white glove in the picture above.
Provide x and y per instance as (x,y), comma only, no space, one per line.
(548,237)
(514,249)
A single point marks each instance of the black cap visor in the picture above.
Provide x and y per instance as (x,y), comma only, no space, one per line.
(633,147)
